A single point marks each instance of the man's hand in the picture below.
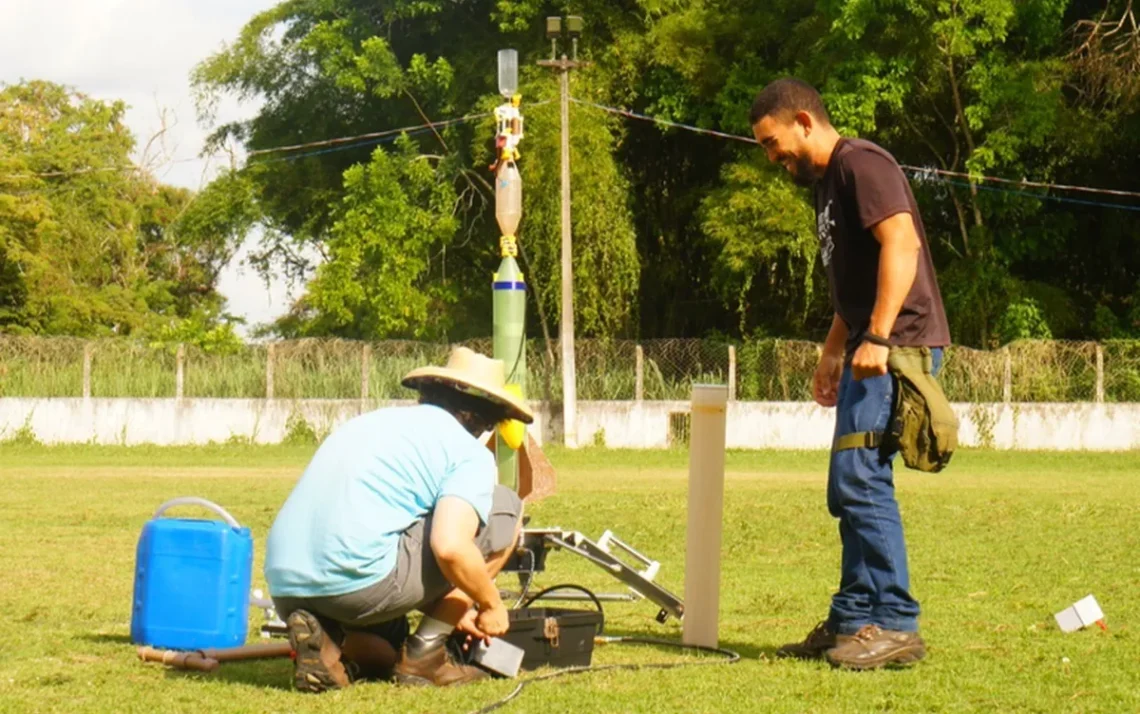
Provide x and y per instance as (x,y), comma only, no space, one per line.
(468,626)
(870,361)
(493,621)
(825,384)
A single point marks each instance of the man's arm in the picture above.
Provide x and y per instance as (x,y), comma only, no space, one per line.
(825,383)
(836,342)
(453,542)
(898,265)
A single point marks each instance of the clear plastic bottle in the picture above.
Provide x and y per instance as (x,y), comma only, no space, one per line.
(508,73)
(508,198)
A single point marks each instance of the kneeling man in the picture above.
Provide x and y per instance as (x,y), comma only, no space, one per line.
(399,510)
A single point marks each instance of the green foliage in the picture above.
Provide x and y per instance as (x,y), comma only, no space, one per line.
(298,432)
(90,244)
(394,222)
(765,230)
(1022,320)
(676,234)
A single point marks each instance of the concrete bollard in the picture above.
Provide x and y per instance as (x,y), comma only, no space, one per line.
(706,505)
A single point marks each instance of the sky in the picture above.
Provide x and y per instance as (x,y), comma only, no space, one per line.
(142,52)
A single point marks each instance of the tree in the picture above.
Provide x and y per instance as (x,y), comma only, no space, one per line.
(91,244)
(339,69)
(383,278)
(682,235)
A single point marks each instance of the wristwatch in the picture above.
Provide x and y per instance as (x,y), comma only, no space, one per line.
(876,340)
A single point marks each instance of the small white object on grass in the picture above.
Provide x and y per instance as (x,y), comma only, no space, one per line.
(1080,615)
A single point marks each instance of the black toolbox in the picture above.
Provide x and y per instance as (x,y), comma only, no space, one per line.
(551,637)
(555,637)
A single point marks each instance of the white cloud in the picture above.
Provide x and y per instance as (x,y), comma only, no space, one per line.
(142,52)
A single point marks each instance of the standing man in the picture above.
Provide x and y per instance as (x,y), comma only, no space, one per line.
(399,510)
(884,293)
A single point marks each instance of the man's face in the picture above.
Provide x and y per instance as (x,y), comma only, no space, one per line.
(785,141)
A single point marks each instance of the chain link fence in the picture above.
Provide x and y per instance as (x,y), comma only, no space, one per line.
(665,369)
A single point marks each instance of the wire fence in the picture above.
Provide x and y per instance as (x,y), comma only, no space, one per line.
(761,370)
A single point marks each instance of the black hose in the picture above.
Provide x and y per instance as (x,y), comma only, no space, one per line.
(571,586)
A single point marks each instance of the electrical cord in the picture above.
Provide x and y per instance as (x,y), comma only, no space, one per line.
(729,656)
(529,579)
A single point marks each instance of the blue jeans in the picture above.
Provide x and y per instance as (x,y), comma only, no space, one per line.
(874,585)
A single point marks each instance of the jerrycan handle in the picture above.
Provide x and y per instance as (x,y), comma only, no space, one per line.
(194,500)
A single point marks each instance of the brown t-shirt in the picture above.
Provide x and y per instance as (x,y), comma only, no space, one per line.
(862,186)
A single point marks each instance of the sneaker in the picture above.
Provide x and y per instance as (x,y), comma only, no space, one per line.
(429,663)
(317,666)
(873,647)
(818,641)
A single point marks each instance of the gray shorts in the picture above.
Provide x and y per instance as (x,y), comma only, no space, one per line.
(416,580)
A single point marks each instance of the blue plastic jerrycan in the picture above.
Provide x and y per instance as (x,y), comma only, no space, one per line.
(192,581)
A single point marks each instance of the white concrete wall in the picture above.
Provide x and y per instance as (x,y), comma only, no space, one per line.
(639,425)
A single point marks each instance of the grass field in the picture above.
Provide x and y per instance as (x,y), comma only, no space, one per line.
(998,543)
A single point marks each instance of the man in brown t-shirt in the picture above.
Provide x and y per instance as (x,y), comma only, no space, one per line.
(883,292)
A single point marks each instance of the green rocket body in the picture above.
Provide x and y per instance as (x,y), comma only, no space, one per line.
(510,347)
(509,319)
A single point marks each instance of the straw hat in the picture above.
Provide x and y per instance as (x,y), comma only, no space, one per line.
(475,374)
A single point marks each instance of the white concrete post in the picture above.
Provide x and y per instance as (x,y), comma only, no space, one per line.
(269,371)
(639,374)
(1099,374)
(88,348)
(179,371)
(1007,377)
(732,373)
(365,362)
(706,504)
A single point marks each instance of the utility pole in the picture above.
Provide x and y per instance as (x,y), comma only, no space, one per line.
(556,29)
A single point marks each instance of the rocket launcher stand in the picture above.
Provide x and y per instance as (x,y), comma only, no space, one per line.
(536,542)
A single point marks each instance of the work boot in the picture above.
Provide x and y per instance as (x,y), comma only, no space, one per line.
(821,639)
(873,647)
(373,656)
(317,666)
(427,662)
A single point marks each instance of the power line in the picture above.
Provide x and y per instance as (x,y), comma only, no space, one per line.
(1040,196)
(362,138)
(663,122)
(917,169)
(349,141)
(370,135)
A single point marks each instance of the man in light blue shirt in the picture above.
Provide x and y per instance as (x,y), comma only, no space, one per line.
(399,510)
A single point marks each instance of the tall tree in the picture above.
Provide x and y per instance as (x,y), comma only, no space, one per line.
(91,244)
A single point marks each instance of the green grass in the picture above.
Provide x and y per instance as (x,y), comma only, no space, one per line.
(998,543)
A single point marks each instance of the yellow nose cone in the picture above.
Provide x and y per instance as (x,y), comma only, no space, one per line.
(512,431)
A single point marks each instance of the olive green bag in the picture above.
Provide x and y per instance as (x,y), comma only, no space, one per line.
(923,427)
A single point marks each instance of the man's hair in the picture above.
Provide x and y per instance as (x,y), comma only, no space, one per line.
(462,405)
(784,97)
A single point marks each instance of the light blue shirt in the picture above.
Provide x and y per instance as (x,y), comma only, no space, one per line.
(372,477)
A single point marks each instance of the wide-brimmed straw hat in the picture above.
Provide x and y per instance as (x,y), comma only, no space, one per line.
(478,375)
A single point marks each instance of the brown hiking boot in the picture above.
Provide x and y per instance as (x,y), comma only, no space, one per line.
(819,640)
(873,647)
(373,656)
(430,664)
(317,666)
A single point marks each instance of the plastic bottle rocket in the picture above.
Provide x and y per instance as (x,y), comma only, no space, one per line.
(508,284)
